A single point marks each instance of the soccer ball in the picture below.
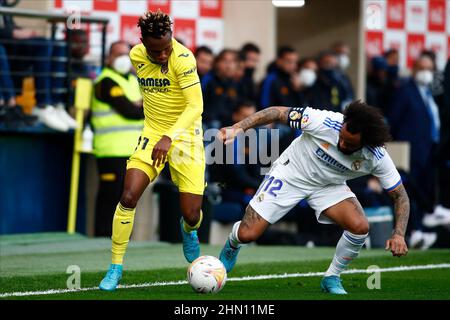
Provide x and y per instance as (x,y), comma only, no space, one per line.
(207,274)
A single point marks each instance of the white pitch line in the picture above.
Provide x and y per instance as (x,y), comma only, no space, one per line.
(246,278)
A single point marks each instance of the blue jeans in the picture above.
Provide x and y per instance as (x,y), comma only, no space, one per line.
(41,67)
(6,84)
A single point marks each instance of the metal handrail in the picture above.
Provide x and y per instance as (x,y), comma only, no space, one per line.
(53,16)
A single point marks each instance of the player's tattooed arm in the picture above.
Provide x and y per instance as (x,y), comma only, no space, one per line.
(263,117)
(401,208)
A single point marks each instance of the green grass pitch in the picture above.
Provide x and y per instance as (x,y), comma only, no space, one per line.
(32,263)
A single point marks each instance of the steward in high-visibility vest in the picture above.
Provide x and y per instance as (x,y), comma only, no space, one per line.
(116,128)
(117,120)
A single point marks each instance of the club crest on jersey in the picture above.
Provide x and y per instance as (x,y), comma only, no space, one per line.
(356,165)
(260,198)
(294,115)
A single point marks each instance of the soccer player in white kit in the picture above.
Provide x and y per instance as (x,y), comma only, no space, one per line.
(332,149)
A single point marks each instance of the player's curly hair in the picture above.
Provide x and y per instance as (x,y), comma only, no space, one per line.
(155,24)
(369,121)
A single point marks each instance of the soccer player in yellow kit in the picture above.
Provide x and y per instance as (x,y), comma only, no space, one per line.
(173,105)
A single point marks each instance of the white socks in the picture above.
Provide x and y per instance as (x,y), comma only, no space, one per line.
(234,239)
(347,249)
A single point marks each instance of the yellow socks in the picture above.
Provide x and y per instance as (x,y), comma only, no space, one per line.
(122,226)
(188,228)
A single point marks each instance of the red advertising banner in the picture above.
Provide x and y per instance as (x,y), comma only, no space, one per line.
(163,5)
(58,4)
(185,29)
(415,45)
(129,30)
(105,5)
(436,15)
(211,8)
(374,43)
(396,14)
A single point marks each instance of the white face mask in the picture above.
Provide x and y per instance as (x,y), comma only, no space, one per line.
(307,77)
(424,77)
(344,61)
(122,64)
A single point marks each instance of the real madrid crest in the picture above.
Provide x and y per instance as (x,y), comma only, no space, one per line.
(260,197)
(164,68)
(356,165)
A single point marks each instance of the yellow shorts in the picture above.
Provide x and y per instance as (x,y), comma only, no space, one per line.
(186,159)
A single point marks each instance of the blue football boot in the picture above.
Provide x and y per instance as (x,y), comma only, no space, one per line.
(228,256)
(191,245)
(333,285)
(112,278)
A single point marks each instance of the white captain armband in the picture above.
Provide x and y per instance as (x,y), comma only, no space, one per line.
(295,117)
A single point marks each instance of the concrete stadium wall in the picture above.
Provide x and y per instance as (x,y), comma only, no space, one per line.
(253,21)
(320,23)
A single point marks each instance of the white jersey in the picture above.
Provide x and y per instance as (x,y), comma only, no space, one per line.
(315,160)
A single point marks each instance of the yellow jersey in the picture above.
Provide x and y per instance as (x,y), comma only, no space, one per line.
(172,96)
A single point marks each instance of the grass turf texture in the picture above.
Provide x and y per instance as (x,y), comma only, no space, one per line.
(39,262)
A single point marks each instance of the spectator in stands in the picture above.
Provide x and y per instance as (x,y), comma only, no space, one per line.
(11,115)
(437,86)
(441,213)
(117,120)
(7,94)
(377,88)
(250,55)
(277,88)
(78,68)
(245,85)
(331,93)
(392,59)
(205,59)
(414,117)
(342,52)
(19,43)
(220,92)
(307,79)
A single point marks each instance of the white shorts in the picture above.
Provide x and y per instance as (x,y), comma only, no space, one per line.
(277,195)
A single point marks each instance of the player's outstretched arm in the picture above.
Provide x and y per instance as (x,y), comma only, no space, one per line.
(260,118)
(397,243)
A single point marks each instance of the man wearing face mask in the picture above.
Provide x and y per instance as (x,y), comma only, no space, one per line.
(342,52)
(414,117)
(250,55)
(117,119)
(307,77)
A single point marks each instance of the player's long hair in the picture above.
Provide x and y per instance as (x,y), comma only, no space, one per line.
(155,24)
(369,121)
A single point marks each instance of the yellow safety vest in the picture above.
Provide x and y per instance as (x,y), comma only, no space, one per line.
(115,135)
